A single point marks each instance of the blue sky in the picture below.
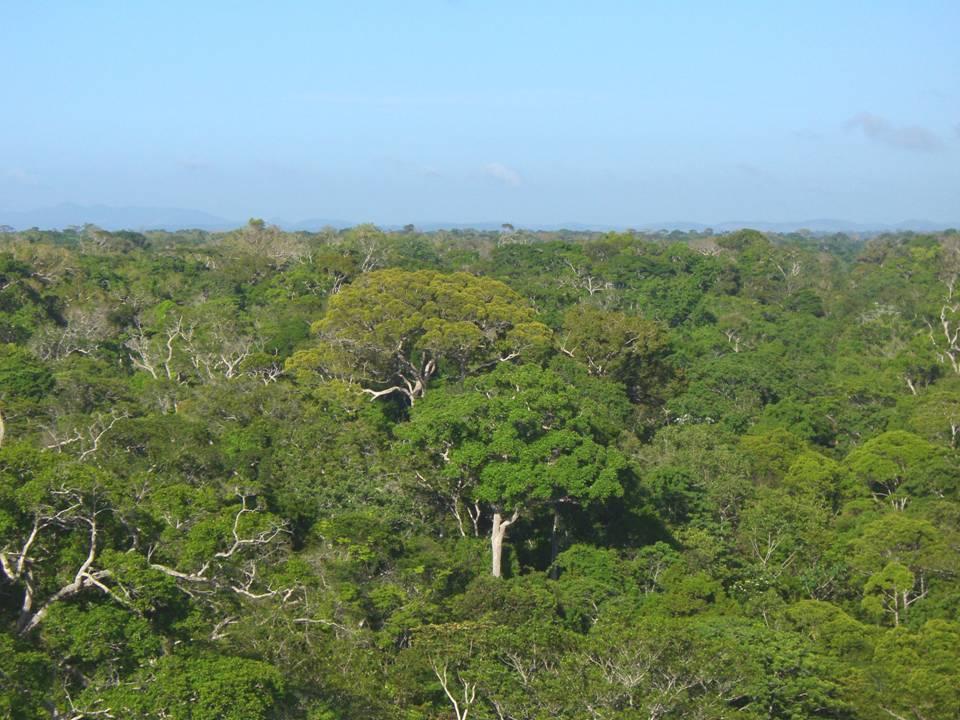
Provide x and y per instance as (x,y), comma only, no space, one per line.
(469,110)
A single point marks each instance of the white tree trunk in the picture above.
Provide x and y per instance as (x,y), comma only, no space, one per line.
(497,535)
(555,542)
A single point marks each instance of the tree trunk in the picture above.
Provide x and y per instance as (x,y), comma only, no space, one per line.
(497,535)
(554,542)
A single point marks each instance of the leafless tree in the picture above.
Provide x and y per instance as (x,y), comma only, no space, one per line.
(153,352)
(585,280)
(237,568)
(85,329)
(945,335)
(85,440)
(466,692)
(63,508)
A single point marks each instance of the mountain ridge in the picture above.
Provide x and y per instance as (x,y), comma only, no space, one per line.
(173,218)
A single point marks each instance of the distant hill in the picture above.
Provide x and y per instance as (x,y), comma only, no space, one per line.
(824,225)
(115,218)
(833,225)
(312,224)
(163,218)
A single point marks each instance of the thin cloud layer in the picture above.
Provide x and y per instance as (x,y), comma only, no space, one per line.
(192,165)
(904,137)
(503,173)
(19,176)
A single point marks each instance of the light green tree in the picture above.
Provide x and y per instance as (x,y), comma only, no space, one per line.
(392,331)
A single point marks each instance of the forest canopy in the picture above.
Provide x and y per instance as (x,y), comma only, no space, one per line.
(515,474)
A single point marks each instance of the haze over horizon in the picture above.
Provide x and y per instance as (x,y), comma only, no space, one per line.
(159,218)
(463,111)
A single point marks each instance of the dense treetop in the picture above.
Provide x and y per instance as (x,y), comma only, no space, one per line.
(511,474)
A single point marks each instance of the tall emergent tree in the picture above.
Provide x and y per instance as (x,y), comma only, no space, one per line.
(516,440)
(626,348)
(391,331)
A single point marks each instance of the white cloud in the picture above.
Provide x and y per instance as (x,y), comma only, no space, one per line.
(752,171)
(192,165)
(905,137)
(19,176)
(503,173)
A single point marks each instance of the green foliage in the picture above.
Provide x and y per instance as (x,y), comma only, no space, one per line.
(771,455)
(99,640)
(630,350)
(203,688)
(22,377)
(898,465)
(516,437)
(260,474)
(398,326)
(25,675)
(916,672)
